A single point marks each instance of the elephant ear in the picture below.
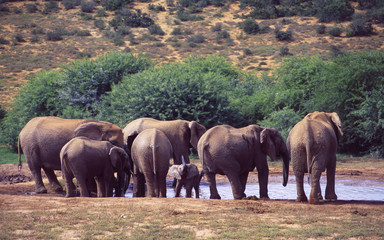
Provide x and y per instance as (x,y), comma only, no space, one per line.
(118,157)
(337,123)
(92,130)
(192,171)
(197,130)
(268,146)
(174,172)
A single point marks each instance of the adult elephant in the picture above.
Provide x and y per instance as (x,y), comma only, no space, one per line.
(150,152)
(42,138)
(88,159)
(181,133)
(235,152)
(312,144)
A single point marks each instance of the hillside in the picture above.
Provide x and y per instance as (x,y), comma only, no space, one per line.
(25,48)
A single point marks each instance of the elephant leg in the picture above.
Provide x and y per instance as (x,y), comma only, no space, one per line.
(83,187)
(315,189)
(196,185)
(237,188)
(101,186)
(330,193)
(243,180)
(36,172)
(262,174)
(188,188)
(162,186)
(70,187)
(211,178)
(179,185)
(56,186)
(138,185)
(151,182)
(301,197)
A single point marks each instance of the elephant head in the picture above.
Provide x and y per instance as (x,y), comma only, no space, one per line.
(102,131)
(197,130)
(183,171)
(273,145)
(331,118)
(122,163)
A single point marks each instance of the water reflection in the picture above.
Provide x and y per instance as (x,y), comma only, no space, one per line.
(346,189)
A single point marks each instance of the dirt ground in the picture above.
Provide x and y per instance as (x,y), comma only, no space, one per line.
(203,218)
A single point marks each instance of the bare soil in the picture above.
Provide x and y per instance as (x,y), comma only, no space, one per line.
(142,218)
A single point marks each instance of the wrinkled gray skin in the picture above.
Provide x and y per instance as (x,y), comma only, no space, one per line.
(187,175)
(87,159)
(235,152)
(182,134)
(150,152)
(312,144)
(42,138)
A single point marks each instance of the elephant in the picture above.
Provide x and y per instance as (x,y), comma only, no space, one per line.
(150,153)
(312,144)
(42,138)
(187,175)
(235,152)
(181,133)
(87,159)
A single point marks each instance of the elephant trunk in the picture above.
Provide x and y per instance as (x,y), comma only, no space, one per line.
(286,158)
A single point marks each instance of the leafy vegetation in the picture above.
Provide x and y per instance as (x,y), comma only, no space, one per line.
(121,87)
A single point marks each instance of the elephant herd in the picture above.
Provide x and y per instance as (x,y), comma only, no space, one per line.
(93,151)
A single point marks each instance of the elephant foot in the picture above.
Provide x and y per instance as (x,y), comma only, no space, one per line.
(314,201)
(41,190)
(331,197)
(301,199)
(215,197)
(58,189)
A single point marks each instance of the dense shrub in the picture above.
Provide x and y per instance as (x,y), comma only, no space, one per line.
(31,8)
(349,84)
(99,23)
(70,4)
(321,29)
(50,6)
(335,31)
(198,38)
(112,5)
(360,26)
(250,26)
(283,35)
(3,41)
(37,97)
(156,30)
(72,92)
(334,10)
(87,6)
(126,17)
(198,89)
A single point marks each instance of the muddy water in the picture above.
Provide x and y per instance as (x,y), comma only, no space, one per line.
(346,189)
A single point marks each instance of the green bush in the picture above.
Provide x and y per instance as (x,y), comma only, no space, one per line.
(70,4)
(156,30)
(86,81)
(321,29)
(198,89)
(50,6)
(333,10)
(72,92)
(112,5)
(335,31)
(360,26)
(99,24)
(37,97)
(283,35)
(250,26)
(349,84)
(87,6)
(31,8)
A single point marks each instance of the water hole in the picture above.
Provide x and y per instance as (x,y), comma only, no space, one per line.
(346,189)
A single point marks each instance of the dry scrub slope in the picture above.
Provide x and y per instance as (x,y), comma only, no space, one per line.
(20,60)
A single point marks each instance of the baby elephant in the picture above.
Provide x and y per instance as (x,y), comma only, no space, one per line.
(86,159)
(187,175)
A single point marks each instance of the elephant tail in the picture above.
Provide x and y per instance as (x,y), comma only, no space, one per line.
(20,165)
(310,162)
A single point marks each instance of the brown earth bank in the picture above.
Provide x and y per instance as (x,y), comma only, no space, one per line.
(25,215)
